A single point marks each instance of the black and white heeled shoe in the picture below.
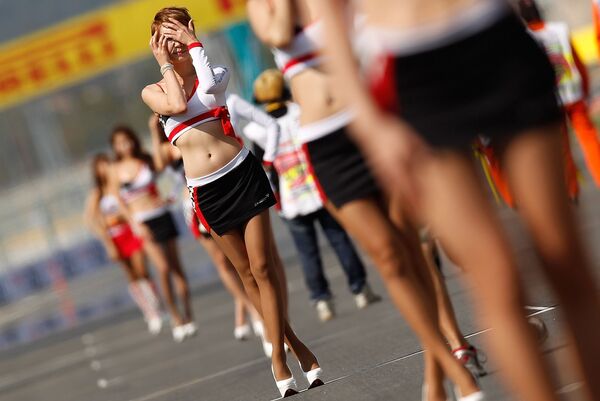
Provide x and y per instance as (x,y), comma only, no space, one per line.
(313,376)
(286,387)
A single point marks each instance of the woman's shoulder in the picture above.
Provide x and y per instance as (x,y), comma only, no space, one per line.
(155,87)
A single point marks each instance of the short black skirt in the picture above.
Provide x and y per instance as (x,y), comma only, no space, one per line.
(162,227)
(498,82)
(340,170)
(230,201)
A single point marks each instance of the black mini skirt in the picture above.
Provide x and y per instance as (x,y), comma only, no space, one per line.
(231,200)
(497,82)
(163,227)
(340,169)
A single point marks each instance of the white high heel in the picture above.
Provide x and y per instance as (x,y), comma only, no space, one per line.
(286,387)
(179,333)
(258,328)
(242,333)
(314,376)
(190,329)
(476,396)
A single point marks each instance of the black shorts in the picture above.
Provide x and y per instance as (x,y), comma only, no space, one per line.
(498,82)
(162,227)
(231,200)
(340,170)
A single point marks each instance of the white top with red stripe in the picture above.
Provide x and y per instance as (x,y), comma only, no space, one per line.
(207,101)
(302,53)
(143,183)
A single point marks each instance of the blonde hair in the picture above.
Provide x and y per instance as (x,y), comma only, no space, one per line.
(269,86)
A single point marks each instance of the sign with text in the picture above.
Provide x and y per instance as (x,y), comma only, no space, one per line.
(92,43)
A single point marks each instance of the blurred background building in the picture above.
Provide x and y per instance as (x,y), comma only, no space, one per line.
(69,71)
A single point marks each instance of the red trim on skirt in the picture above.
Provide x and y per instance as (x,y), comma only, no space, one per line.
(311,170)
(198,211)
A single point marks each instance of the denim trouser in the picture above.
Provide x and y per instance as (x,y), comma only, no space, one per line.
(304,234)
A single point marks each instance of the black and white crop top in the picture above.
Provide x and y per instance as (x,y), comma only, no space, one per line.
(302,53)
(143,183)
(207,101)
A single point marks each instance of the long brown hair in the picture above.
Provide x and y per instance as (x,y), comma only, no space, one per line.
(99,181)
(138,152)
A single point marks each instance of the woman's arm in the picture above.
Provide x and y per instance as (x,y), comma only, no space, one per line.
(272,21)
(160,153)
(174,100)
(251,113)
(92,217)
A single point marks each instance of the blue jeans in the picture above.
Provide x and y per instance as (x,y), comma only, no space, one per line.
(304,234)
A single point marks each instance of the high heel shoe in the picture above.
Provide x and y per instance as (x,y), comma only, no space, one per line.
(286,387)
(314,377)
(476,396)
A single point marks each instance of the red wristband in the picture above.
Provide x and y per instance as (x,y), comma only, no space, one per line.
(195,44)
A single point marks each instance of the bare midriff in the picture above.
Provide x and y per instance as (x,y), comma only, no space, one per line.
(311,89)
(112,220)
(205,149)
(408,14)
(145,203)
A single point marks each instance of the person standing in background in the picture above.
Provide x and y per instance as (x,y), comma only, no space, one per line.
(133,182)
(104,218)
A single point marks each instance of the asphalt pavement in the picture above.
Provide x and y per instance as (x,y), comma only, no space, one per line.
(367,355)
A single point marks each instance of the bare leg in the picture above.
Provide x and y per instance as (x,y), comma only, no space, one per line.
(128,269)
(279,269)
(421,255)
(138,265)
(388,250)
(455,205)
(447,317)
(249,251)
(158,256)
(535,167)
(230,279)
(181,281)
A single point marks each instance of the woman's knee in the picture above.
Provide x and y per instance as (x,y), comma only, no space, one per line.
(387,256)
(245,273)
(503,294)
(261,268)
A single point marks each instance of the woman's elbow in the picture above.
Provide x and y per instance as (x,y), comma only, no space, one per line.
(179,108)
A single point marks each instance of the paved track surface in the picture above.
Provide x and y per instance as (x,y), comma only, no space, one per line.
(368,355)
